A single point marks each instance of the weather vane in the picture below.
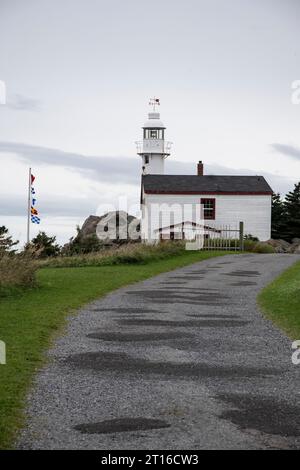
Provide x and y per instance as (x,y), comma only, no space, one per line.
(154,102)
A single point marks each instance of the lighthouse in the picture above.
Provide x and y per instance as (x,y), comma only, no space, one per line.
(153,149)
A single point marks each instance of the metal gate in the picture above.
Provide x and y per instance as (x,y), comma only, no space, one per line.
(223,238)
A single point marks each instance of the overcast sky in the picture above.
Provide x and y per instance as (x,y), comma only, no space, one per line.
(79,75)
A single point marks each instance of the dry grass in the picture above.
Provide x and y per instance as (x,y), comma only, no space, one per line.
(17,271)
(125,254)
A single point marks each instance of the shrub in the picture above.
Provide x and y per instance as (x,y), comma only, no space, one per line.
(248,236)
(43,246)
(80,245)
(258,247)
(249,245)
(261,247)
(6,241)
(130,253)
(16,271)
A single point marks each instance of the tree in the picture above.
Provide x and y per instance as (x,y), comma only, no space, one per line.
(83,245)
(292,214)
(44,246)
(6,241)
(278,217)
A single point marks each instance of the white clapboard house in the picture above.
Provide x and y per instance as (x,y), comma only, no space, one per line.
(177,206)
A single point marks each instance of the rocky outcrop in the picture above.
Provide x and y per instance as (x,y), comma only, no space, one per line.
(115,225)
(282,246)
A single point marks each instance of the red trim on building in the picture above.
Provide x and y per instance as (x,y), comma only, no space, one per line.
(212,214)
(221,193)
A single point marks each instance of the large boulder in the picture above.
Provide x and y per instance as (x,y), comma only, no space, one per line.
(295,246)
(280,246)
(89,226)
(119,219)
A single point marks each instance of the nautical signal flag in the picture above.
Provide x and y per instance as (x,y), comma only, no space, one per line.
(33,211)
(35,219)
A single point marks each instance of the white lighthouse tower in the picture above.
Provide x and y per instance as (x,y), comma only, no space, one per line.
(153,148)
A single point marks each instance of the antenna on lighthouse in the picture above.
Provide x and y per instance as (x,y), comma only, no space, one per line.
(154,102)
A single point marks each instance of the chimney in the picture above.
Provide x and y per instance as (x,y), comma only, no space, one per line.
(200,168)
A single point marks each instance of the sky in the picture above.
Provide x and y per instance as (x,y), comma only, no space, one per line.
(79,75)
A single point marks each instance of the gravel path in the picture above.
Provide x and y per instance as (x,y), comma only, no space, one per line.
(181,361)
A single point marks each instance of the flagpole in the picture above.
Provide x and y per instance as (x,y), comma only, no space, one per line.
(29,206)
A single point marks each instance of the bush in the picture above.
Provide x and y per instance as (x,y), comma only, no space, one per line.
(16,271)
(81,246)
(258,247)
(249,245)
(130,253)
(43,246)
(6,242)
(261,247)
(248,236)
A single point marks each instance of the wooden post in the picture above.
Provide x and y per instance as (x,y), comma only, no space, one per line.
(241,236)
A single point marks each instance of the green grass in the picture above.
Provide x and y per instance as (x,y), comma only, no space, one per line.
(280,301)
(30,319)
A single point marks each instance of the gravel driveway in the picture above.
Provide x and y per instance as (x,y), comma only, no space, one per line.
(181,361)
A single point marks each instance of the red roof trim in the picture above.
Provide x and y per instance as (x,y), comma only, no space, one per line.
(223,193)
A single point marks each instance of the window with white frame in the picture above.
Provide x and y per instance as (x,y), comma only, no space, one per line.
(209,208)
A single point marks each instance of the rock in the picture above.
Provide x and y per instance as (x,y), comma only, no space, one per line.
(280,246)
(295,247)
(89,226)
(117,222)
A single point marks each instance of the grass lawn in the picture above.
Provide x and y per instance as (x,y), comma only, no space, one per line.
(30,319)
(280,301)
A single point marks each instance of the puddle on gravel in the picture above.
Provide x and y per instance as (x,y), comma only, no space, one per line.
(122,363)
(184,323)
(189,289)
(121,425)
(197,297)
(225,262)
(243,273)
(120,337)
(243,283)
(125,310)
(189,278)
(263,414)
(173,282)
(126,317)
(211,315)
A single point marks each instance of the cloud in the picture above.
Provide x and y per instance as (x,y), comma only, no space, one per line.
(289,150)
(125,170)
(48,206)
(109,169)
(23,103)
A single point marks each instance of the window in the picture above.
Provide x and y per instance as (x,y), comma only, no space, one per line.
(146,159)
(153,134)
(209,208)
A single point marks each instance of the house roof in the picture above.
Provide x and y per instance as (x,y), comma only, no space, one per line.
(207,184)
